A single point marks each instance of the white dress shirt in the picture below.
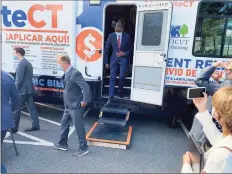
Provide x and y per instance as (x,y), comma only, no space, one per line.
(119,35)
(217,159)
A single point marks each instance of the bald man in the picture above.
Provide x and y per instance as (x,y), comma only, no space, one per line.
(121,45)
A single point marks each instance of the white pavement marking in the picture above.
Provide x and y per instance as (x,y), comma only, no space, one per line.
(49,106)
(28,143)
(34,138)
(7,135)
(71,131)
(44,119)
(38,140)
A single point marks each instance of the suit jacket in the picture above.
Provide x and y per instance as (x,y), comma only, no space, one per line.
(24,74)
(211,87)
(76,90)
(126,47)
(9,100)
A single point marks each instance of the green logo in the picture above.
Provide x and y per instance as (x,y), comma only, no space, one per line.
(184,30)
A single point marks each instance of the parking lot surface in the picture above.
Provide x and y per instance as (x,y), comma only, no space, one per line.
(154,148)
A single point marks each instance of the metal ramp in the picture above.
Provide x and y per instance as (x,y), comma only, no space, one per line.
(111,131)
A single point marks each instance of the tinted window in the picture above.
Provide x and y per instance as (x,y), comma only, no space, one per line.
(215,9)
(213,34)
(152,29)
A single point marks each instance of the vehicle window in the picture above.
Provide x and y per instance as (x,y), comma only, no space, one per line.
(152,29)
(213,34)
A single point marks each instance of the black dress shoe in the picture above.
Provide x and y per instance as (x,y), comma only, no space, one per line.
(14,130)
(110,101)
(121,96)
(32,129)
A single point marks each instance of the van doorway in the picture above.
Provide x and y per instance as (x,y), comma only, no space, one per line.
(127,15)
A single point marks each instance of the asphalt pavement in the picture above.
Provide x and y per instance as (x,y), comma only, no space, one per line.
(154,148)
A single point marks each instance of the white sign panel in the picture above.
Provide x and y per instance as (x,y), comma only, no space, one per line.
(43,28)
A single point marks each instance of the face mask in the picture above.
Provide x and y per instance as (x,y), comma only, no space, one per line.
(15,57)
(224,76)
(60,67)
(118,33)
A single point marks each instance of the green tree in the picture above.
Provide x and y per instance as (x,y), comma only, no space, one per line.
(184,30)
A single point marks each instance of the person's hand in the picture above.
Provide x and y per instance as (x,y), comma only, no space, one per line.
(83,104)
(120,54)
(220,64)
(200,103)
(186,158)
(107,66)
(216,76)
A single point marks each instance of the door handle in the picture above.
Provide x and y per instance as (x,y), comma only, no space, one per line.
(164,55)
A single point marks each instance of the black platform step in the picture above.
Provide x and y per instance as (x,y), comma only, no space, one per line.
(112,121)
(115,110)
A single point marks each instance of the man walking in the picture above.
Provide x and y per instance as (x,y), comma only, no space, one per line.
(121,45)
(76,96)
(24,74)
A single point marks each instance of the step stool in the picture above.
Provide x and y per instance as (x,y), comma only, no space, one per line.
(111,132)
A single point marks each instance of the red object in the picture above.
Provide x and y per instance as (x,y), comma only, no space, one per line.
(119,42)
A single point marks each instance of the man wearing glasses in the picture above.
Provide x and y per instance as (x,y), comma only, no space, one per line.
(211,87)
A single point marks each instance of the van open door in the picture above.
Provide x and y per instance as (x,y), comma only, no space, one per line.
(150,52)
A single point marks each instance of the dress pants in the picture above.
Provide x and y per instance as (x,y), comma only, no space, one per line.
(76,116)
(29,100)
(121,62)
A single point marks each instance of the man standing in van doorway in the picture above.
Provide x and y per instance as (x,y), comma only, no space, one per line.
(121,45)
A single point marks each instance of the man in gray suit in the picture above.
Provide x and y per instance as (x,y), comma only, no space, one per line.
(24,74)
(76,96)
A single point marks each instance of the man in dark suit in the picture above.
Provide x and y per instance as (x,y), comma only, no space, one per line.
(9,101)
(121,45)
(76,96)
(24,74)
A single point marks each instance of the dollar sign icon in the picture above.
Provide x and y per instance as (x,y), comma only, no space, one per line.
(88,41)
(91,47)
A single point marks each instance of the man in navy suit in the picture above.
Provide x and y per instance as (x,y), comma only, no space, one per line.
(121,45)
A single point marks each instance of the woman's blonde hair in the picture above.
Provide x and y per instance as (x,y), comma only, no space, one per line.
(222,103)
(230,65)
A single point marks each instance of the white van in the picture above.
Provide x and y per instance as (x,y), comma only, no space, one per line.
(173,42)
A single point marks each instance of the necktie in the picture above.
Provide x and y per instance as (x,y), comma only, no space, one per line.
(119,42)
